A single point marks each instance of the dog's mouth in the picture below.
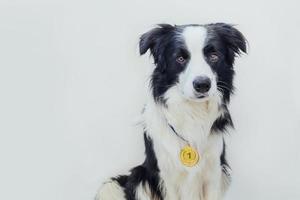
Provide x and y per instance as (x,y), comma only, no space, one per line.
(196,97)
(201,96)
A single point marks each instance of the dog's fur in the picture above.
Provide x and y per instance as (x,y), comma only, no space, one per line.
(176,114)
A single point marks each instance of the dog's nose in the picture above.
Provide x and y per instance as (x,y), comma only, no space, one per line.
(201,84)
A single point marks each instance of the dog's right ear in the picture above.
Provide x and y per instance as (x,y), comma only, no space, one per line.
(152,38)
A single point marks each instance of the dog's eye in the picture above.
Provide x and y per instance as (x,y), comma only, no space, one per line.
(213,57)
(180,59)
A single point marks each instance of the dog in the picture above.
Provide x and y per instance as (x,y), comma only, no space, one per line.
(185,116)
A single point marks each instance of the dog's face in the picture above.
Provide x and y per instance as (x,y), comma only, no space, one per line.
(195,60)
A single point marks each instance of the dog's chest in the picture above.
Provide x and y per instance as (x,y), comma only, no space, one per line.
(193,124)
(181,182)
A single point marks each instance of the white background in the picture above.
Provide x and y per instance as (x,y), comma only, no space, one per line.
(72,84)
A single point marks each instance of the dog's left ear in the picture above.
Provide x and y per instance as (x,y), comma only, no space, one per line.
(148,40)
(152,39)
(155,40)
(233,38)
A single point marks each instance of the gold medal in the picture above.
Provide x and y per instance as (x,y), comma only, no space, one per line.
(189,156)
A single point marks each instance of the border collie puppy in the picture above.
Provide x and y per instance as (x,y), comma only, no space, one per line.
(186,115)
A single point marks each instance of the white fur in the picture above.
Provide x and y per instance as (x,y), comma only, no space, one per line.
(110,190)
(143,192)
(195,38)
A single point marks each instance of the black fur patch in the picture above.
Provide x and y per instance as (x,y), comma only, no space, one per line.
(147,173)
(223,122)
(227,42)
(224,164)
(164,46)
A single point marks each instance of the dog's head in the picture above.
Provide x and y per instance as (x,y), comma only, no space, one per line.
(194,60)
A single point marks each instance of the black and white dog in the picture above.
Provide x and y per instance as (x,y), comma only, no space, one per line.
(186,115)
